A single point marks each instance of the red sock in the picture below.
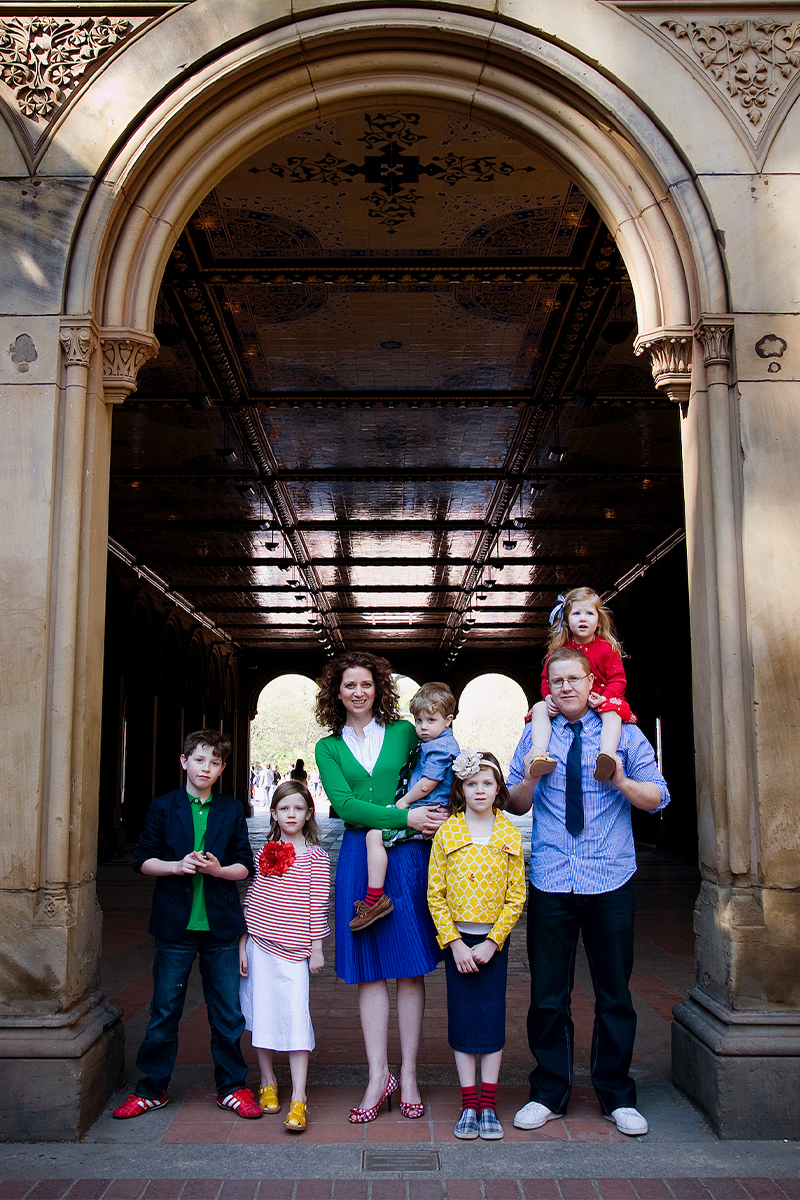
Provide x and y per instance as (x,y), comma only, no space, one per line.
(488,1093)
(373,896)
(469,1098)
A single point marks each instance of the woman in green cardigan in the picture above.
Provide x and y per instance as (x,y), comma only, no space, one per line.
(359,764)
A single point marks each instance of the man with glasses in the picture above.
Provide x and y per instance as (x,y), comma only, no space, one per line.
(581,873)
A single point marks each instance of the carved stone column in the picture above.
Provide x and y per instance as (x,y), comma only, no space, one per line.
(670,353)
(125,351)
(60,1041)
(736,1040)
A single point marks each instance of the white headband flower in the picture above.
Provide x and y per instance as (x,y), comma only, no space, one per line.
(469,762)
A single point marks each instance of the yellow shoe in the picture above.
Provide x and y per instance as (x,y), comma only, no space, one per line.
(268,1098)
(296,1120)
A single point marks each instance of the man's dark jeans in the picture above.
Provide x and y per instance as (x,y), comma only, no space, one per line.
(555,920)
(219,971)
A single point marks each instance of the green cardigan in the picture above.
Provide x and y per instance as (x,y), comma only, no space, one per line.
(358,797)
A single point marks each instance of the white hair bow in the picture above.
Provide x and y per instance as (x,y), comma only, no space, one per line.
(558,612)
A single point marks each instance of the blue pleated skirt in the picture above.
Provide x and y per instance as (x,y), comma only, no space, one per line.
(399,946)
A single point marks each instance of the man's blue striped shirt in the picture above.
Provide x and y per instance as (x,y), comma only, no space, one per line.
(602,857)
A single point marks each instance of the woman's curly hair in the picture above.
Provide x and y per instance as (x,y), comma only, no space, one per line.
(329,710)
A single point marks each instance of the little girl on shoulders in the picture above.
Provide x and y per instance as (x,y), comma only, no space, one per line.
(580,620)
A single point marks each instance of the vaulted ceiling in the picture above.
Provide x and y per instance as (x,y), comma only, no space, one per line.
(396,376)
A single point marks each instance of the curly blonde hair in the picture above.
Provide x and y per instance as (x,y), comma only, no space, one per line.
(560,633)
(457,802)
(328,708)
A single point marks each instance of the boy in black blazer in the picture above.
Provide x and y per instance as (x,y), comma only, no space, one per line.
(195,843)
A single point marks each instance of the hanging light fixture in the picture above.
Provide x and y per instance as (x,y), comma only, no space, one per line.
(509,543)
(557,452)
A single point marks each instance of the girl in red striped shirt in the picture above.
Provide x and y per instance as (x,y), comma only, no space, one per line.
(287,917)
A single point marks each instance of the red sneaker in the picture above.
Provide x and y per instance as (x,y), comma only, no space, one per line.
(243,1103)
(134,1106)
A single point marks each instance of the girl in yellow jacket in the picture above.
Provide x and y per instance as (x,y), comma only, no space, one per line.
(476,891)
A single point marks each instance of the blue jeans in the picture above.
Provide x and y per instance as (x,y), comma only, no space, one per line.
(555,920)
(219,971)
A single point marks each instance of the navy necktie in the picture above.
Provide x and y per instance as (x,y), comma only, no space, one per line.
(573,815)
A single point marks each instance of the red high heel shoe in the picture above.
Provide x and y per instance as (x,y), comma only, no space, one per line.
(360,1116)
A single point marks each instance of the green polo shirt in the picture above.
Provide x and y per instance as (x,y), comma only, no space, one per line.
(198,917)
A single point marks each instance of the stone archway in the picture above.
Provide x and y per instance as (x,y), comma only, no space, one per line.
(175,150)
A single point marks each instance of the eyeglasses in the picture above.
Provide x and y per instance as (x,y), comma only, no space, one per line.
(573,680)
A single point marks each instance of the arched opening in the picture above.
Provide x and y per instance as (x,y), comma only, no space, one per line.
(491,709)
(427,494)
(282,731)
(406,687)
(646,254)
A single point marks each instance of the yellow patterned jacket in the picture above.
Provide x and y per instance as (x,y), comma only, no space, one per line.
(476,883)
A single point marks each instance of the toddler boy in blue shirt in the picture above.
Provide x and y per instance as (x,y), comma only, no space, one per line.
(431,778)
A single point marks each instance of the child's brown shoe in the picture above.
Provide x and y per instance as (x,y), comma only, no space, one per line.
(366,914)
(604,767)
(542,764)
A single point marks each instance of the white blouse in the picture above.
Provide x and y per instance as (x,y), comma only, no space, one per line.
(365,750)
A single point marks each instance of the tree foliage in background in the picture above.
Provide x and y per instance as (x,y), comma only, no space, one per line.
(491,713)
(490,716)
(284,728)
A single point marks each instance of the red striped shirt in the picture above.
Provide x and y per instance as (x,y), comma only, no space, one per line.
(285,913)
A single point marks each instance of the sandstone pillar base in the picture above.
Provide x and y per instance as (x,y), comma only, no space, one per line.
(741,1068)
(57,1072)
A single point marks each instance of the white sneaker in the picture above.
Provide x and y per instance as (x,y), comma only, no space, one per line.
(628,1120)
(534,1115)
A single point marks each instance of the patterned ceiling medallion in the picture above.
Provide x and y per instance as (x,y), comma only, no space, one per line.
(393,202)
(535,232)
(279,305)
(496,303)
(241,233)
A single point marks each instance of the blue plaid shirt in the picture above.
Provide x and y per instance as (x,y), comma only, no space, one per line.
(602,857)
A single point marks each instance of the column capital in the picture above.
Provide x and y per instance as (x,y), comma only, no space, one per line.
(78,339)
(670,352)
(714,334)
(125,351)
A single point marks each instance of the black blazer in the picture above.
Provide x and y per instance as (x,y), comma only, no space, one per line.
(169,834)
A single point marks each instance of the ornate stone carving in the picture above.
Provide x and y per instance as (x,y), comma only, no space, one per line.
(43,58)
(125,351)
(670,353)
(752,59)
(53,907)
(714,333)
(77,343)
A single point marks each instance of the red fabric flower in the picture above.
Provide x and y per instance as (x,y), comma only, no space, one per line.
(276,858)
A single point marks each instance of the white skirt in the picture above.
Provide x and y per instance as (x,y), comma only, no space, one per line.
(274,1000)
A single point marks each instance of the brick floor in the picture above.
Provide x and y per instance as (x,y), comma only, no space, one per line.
(664,971)
(677,1188)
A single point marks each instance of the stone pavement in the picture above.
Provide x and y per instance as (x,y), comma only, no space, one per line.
(192,1150)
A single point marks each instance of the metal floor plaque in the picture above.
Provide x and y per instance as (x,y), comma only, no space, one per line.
(400,1160)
